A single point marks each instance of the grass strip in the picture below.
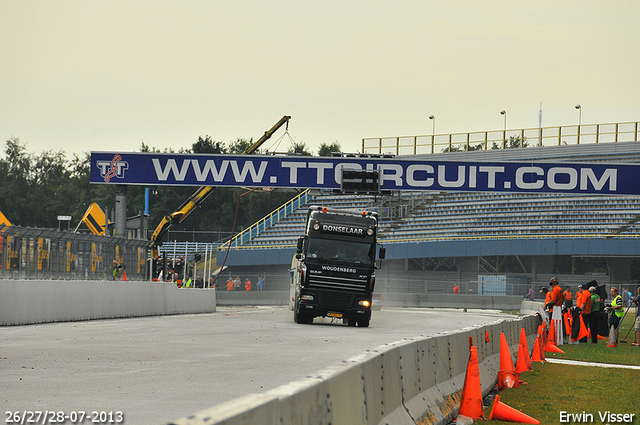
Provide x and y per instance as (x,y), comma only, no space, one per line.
(585,391)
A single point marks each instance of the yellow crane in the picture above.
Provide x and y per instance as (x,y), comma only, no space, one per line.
(200,195)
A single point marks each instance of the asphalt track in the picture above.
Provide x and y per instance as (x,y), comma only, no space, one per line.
(157,369)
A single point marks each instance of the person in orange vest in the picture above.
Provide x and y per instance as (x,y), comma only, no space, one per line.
(556,297)
(547,295)
(456,289)
(584,303)
(595,314)
(568,298)
(247,285)
(229,285)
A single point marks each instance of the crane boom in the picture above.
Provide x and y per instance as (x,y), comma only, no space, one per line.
(200,195)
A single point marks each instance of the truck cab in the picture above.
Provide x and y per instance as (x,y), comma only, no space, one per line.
(333,269)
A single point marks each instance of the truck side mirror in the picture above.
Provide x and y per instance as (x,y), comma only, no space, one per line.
(382,253)
(299,247)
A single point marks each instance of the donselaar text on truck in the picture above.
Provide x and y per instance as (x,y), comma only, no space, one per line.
(333,270)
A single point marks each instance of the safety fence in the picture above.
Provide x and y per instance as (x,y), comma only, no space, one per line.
(36,253)
(501,139)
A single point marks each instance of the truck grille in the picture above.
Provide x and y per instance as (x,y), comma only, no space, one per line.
(335,300)
(336,282)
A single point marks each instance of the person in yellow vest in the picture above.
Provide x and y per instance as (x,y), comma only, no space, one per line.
(616,310)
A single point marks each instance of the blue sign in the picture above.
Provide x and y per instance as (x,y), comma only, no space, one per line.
(398,173)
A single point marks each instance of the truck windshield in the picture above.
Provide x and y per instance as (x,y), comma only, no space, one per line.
(358,253)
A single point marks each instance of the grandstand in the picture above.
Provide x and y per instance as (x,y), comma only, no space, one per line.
(436,239)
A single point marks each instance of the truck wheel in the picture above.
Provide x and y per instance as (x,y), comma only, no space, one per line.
(351,322)
(302,318)
(364,322)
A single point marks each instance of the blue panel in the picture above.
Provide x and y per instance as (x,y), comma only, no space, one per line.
(596,246)
(490,246)
(394,173)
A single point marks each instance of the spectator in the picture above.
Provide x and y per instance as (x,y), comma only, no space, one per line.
(247,285)
(594,317)
(616,311)
(456,289)
(230,285)
(546,294)
(556,298)
(584,303)
(236,283)
(260,283)
(568,298)
(625,297)
(636,301)
(530,295)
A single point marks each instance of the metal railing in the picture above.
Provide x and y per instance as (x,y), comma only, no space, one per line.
(34,253)
(500,139)
(269,220)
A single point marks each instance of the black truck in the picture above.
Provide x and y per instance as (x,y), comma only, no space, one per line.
(333,269)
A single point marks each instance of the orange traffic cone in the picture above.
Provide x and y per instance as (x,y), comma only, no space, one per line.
(535,355)
(471,403)
(507,375)
(508,379)
(552,334)
(551,343)
(552,348)
(521,364)
(486,337)
(523,342)
(601,337)
(506,361)
(567,322)
(503,412)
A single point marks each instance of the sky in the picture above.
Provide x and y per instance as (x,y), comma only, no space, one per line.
(86,75)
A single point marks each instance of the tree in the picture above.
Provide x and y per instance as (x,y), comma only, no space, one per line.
(513,143)
(326,149)
(299,148)
(207,145)
(239,145)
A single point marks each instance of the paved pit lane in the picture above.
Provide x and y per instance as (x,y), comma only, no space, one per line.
(157,369)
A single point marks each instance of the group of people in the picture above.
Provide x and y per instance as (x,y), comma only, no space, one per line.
(588,309)
(236,284)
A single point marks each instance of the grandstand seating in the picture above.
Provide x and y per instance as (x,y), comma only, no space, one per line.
(461,215)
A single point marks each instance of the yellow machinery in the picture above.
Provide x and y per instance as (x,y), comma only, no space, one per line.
(200,195)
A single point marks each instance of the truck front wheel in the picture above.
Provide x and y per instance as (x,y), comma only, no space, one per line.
(301,318)
(364,322)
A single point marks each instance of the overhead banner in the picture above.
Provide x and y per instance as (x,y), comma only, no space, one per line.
(152,169)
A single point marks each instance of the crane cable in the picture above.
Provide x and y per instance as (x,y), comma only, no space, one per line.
(273,148)
(233,228)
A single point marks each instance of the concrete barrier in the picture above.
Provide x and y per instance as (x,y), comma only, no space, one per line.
(387,299)
(42,301)
(530,307)
(399,383)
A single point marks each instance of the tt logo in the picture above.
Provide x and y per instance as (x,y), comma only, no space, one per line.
(114,168)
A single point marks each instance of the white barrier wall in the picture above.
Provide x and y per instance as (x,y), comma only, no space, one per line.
(397,383)
(42,301)
(493,302)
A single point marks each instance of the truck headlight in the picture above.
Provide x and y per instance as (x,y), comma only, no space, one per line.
(364,303)
(306,297)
